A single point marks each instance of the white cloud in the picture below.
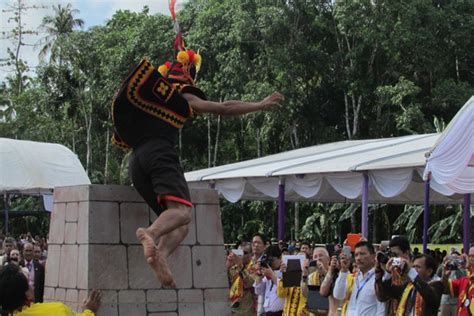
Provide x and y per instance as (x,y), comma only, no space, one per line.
(93,12)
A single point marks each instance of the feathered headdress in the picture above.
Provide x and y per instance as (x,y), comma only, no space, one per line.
(187,64)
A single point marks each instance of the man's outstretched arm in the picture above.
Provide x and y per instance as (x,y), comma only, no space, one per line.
(232,107)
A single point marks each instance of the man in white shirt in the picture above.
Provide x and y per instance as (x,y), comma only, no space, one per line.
(266,282)
(358,291)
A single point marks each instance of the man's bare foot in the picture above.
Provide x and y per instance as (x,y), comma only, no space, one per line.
(149,247)
(157,263)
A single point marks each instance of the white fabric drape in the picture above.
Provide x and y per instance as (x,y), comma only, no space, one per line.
(306,186)
(231,189)
(449,161)
(440,188)
(391,182)
(347,184)
(267,186)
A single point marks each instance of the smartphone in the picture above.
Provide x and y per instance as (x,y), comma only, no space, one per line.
(347,251)
(238,252)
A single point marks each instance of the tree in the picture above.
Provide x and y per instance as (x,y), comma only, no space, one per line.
(57,28)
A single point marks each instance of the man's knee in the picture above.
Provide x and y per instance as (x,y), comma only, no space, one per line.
(183,212)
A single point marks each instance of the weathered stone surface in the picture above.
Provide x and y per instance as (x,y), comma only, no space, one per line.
(132,303)
(162,314)
(132,216)
(180,266)
(75,193)
(72,210)
(71,295)
(48,295)
(140,274)
(204,196)
(209,225)
(109,305)
(209,261)
(83,267)
(52,266)
(108,267)
(68,266)
(103,223)
(83,223)
(216,302)
(58,220)
(190,303)
(162,300)
(114,193)
(70,233)
(60,294)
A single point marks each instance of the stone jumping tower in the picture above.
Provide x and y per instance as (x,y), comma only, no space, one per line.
(92,244)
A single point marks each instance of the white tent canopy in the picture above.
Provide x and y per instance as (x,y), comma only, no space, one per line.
(451,160)
(35,167)
(333,172)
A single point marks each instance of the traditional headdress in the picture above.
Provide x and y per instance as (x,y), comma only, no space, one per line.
(187,64)
(150,101)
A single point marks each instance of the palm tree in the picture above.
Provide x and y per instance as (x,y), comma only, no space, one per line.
(58,27)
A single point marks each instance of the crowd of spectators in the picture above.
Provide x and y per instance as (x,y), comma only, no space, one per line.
(389,278)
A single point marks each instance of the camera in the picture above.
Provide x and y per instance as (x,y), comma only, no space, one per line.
(383,257)
(454,263)
(265,261)
(396,262)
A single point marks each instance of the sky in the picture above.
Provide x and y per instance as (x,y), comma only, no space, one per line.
(92,12)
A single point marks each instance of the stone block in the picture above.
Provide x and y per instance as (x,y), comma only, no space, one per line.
(68,266)
(209,267)
(60,294)
(72,295)
(216,302)
(83,267)
(75,193)
(109,304)
(116,193)
(48,295)
(83,223)
(190,238)
(204,196)
(52,266)
(103,223)
(180,266)
(70,233)
(57,223)
(82,295)
(162,314)
(108,267)
(162,300)
(190,303)
(140,274)
(209,225)
(132,303)
(132,216)
(72,210)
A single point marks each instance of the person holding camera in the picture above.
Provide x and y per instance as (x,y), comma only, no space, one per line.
(358,291)
(322,276)
(266,281)
(241,281)
(420,295)
(398,247)
(462,288)
(457,264)
(295,302)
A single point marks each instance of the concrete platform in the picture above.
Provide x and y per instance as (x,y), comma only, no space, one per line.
(92,244)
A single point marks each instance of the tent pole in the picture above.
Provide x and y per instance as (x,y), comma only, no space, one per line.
(365,207)
(6,199)
(281,209)
(467,222)
(426,215)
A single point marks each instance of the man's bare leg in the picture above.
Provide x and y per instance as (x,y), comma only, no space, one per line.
(171,227)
